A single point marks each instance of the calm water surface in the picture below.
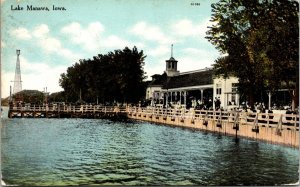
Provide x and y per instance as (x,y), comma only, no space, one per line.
(88,151)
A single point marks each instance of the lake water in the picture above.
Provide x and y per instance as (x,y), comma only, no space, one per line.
(102,152)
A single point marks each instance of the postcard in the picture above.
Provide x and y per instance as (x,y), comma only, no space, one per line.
(148,92)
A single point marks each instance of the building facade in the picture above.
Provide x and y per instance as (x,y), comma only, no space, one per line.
(197,88)
(226,91)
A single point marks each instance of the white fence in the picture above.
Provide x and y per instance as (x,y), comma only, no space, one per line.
(261,119)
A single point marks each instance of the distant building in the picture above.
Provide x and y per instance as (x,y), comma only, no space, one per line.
(191,89)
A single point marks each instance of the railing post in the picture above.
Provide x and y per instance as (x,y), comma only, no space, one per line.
(279,126)
(236,122)
(295,122)
(255,124)
(205,118)
(214,115)
(219,121)
(268,119)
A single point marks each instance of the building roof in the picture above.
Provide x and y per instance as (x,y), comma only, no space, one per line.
(196,78)
(186,79)
(158,80)
(172,59)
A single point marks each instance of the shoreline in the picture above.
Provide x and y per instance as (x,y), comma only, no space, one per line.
(269,134)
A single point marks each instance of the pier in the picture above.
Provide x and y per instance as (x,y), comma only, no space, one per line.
(67,111)
(274,128)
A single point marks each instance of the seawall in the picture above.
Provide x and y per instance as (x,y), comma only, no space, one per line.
(239,126)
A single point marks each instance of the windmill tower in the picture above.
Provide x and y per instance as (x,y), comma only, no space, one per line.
(17,81)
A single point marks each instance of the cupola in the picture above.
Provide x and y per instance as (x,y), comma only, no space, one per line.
(171,65)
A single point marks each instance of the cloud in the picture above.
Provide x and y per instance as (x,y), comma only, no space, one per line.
(51,45)
(3,44)
(92,37)
(41,31)
(161,50)
(196,52)
(194,58)
(115,42)
(150,32)
(88,37)
(21,33)
(31,67)
(187,63)
(152,69)
(42,37)
(157,66)
(187,28)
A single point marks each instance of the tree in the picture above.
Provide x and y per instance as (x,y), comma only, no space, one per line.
(57,97)
(30,96)
(261,40)
(115,76)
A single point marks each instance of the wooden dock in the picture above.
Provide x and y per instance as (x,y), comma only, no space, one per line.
(67,111)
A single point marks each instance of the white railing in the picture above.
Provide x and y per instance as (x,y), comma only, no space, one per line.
(69,108)
(260,119)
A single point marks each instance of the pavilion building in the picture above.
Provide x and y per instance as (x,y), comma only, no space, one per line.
(188,89)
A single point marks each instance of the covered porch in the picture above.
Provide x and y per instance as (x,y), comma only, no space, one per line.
(184,97)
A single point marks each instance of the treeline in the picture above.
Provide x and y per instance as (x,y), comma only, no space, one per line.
(113,77)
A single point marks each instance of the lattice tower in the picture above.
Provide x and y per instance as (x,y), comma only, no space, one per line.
(17,81)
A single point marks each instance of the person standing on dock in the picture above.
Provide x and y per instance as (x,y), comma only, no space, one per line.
(217,103)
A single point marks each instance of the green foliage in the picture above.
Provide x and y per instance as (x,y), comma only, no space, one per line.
(262,43)
(30,96)
(57,97)
(115,76)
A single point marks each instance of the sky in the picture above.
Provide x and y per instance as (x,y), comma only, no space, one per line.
(51,41)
